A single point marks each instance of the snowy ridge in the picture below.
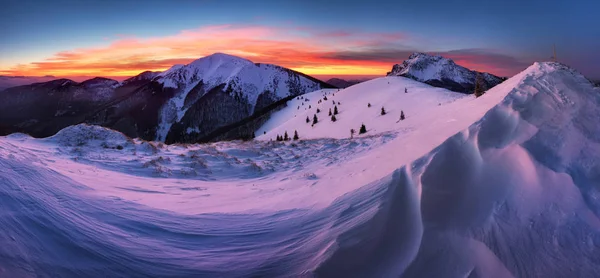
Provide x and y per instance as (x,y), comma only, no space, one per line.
(241,76)
(504,185)
(101,88)
(146,75)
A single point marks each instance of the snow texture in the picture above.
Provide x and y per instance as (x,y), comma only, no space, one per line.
(504,185)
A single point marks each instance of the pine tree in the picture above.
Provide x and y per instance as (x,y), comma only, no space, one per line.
(278,137)
(307,120)
(333,118)
(363,129)
(369,105)
(296,135)
(286,137)
(352,131)
(318,110)
(401,115)
(315,119)
(329,111)
(382,111)
(478,86)
(309,107)
(335,111)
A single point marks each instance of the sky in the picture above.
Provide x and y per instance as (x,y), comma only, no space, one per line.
(332,38)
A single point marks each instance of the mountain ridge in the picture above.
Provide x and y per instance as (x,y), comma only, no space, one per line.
(181,104)
(442,72)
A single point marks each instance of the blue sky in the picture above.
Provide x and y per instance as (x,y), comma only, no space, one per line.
(523,31)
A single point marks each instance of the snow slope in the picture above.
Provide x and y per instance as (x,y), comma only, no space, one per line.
(505,185)
(386,92)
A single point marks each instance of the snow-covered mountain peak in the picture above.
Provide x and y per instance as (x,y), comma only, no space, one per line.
(218,67)
(243,80)
(423,67)
(220,58)
(441,72)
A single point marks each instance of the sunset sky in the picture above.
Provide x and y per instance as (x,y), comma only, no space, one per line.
(118,39)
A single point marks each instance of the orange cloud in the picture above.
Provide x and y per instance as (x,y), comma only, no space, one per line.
(302,49)
(308,50)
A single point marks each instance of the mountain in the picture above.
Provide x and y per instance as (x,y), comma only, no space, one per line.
(13,81)
(182,104)
(144,76)
(41,109)
(442,72)
(342,83)
(503,185)
(221,89)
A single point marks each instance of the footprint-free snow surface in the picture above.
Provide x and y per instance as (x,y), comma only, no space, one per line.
(505,185)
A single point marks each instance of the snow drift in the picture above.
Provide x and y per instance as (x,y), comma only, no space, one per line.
(513,194)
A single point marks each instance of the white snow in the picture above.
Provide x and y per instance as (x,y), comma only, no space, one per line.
(496,186)
(421,102)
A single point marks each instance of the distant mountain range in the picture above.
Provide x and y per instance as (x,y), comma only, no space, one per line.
(13,81)
(442,72)
(182,104)
(342,83)
(217,97)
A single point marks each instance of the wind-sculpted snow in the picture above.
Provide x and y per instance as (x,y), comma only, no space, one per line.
(513,194)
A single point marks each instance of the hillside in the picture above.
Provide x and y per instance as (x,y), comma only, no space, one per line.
(393,94)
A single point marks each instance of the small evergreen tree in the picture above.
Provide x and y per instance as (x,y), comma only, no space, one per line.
(278,137)
(401,115)
(363,129)
(307,120)
(309,107)
(352,131)
(335,111)
(369,105)
(318,110)
(382,111)
(333,118)
(405,90)
(296,135)
(324,98)
(315,119)
(478,86)
(329,111)
(286,137)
